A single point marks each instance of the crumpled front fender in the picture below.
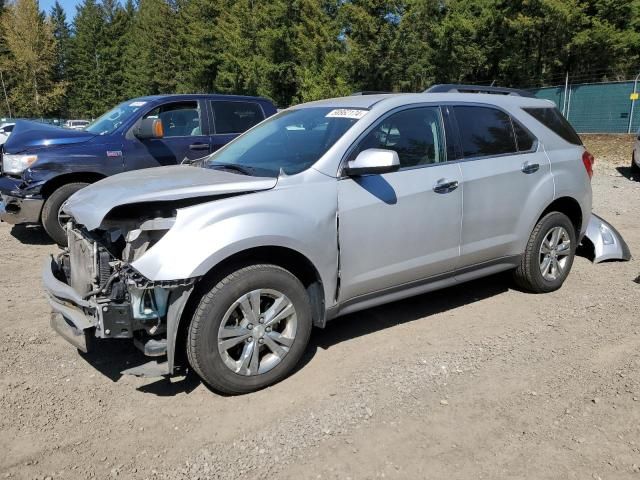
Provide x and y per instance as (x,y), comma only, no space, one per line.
(607,242)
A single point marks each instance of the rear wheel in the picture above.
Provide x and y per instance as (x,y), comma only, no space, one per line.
(53,218)
(549,254)
(250,330)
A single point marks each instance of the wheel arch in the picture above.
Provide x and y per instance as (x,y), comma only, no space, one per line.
(285,257)
(58,181)
(571,208)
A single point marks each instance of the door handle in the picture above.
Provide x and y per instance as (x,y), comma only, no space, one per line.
(445,186)
(530,167)
(199,146)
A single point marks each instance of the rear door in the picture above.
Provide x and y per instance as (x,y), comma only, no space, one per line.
(505,177)
(186,135)
(230,118)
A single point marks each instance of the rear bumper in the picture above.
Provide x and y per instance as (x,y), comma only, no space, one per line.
(73,318)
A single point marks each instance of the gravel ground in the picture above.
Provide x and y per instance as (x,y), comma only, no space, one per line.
(476,381)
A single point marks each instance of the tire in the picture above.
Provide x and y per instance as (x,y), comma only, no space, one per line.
(224,370)
(51,208)
(634,166)
(529,275)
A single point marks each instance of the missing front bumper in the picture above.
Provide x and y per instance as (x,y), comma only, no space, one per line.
(80,321)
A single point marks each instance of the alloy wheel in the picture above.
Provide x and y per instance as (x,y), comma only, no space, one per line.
(554,253)
(257,332)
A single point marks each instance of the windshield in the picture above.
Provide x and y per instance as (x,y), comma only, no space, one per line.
(292,140)
(115,117)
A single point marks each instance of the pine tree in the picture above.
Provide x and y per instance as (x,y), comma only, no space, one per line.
(320,54)
(242,65)
(149,66)
(32,58)
(115,37)
(62,34)
(370,28)
(88,92)
(196,50)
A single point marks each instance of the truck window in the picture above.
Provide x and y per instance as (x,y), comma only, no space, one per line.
(235,117)
(179,119)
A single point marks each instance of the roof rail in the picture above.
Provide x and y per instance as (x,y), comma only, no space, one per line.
(457,88)
(368,92)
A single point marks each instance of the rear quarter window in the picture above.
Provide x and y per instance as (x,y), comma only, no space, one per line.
(235,117)
(551,118)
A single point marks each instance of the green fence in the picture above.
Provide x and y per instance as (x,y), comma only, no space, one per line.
(596,107)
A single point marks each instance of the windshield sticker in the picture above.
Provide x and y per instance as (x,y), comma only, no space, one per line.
(137,104)
(346,113)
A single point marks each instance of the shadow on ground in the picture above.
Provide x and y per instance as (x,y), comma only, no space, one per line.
(629,173)
(31,235)
(416,308)
(112,357)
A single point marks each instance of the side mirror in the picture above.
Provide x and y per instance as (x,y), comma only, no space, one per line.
(148,128)
(373,161)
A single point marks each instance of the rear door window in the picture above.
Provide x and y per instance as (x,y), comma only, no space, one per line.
(551,118)
(485,131)
(235,117)
(526,141)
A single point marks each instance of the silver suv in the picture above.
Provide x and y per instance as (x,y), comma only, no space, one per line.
(321,210)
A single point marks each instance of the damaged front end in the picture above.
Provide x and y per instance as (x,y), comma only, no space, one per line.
(95,293)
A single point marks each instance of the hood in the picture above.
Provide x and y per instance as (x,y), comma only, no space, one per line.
(28,134)
(90,205)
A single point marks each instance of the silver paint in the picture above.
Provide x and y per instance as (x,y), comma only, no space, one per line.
(372,238)
(607,243)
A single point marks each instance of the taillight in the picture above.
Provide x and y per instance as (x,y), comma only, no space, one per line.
(588,160)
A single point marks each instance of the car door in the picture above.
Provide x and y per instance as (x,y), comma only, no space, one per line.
(401,227)
(185,136)
(504,174)
(231,118)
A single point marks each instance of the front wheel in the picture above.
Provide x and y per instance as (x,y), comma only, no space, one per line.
(250,330)
(53,218)
(549,254)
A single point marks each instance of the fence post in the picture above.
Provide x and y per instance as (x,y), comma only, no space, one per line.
(633,102)
(564,99)
(569,102)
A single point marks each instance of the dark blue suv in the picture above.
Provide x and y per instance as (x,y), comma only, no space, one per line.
(42,165)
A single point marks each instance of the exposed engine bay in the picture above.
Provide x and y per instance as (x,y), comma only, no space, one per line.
(97,266)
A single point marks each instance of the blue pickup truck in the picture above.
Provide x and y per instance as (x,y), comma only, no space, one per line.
(42,165)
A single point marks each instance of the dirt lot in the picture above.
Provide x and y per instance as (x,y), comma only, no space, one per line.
(477,381)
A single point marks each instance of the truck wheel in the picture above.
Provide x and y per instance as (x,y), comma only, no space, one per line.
(549,254)
(53,220)
(250,330)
